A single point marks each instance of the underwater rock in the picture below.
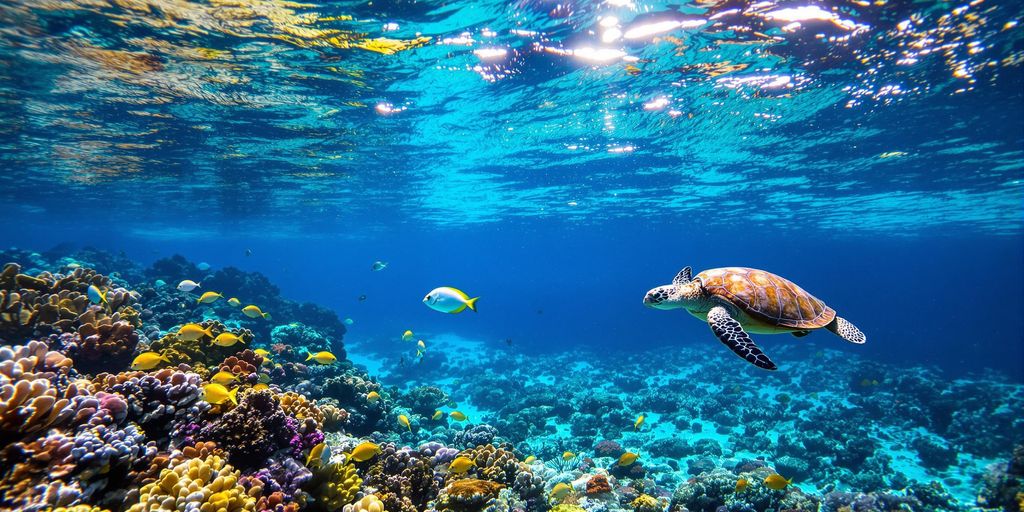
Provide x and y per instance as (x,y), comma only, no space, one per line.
(934,453)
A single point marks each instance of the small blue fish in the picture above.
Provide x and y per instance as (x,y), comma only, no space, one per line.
(95,295)
(204,266)
(349,321)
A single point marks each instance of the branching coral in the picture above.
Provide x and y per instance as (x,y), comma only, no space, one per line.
(404,479)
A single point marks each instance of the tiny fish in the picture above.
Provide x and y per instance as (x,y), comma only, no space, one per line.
(148,361)
(372,397)
(262,352)
(437,415)
(530,460)
(458,416)
(260,386)
(349,321)
(324,357)
(568,456)
(404,420)
(741,485)
(379,265)
(95,295)
(449,300)
(407,336)
(460,465)
(209,297)
(188,285)
(204,266)
(639,422)
(627,459)
(234,301)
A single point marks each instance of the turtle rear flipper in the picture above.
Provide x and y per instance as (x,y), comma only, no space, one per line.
(731,333)
(847,331)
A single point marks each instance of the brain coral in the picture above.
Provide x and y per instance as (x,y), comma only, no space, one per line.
(203,485)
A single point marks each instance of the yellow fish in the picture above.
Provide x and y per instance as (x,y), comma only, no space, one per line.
(209,297)
(437,415)
(639,421)
(530,459)
(741,485)
(372,397)
(253,311)
(460,465)
(776,481)
(223,377)
(264,378)
(364,452)
(320,455)
(324,357)
(627,459)
(192,332)
(216,393)
(404,420)
(226,339)
(407,336)
(234,301)
(262,352)
(95,295)
(560,491)
(568,456)
(260,387)
(458,416)
(148,361)
(421,346)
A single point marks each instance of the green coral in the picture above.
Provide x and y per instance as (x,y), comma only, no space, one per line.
(335,486)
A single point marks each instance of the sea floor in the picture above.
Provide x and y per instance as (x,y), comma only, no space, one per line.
(846,423)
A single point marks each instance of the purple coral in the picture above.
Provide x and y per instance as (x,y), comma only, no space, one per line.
(254,430)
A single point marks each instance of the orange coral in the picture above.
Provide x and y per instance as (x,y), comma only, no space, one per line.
(472,487)
(598,484)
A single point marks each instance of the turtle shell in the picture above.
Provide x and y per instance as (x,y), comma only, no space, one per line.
(767,297)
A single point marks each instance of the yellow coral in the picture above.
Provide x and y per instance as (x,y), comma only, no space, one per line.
(337,485)
(567,508)
(296,405)
(647,503)
(369,503)
(207,485)
(80,508)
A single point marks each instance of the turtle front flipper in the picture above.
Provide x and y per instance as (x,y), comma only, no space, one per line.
(847,331)
(731,333)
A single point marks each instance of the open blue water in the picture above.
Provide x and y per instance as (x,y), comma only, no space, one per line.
(555,158)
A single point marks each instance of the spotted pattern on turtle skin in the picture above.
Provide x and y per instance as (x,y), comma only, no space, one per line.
(847,331)
(767,297)
(731,333)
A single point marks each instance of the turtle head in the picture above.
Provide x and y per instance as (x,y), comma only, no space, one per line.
(677,295)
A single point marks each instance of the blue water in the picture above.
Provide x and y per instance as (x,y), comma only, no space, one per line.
(558,160)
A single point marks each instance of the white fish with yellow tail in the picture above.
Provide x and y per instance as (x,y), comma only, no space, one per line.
(449,300)
(95,295)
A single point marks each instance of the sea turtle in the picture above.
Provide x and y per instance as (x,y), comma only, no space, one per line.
(737,300)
